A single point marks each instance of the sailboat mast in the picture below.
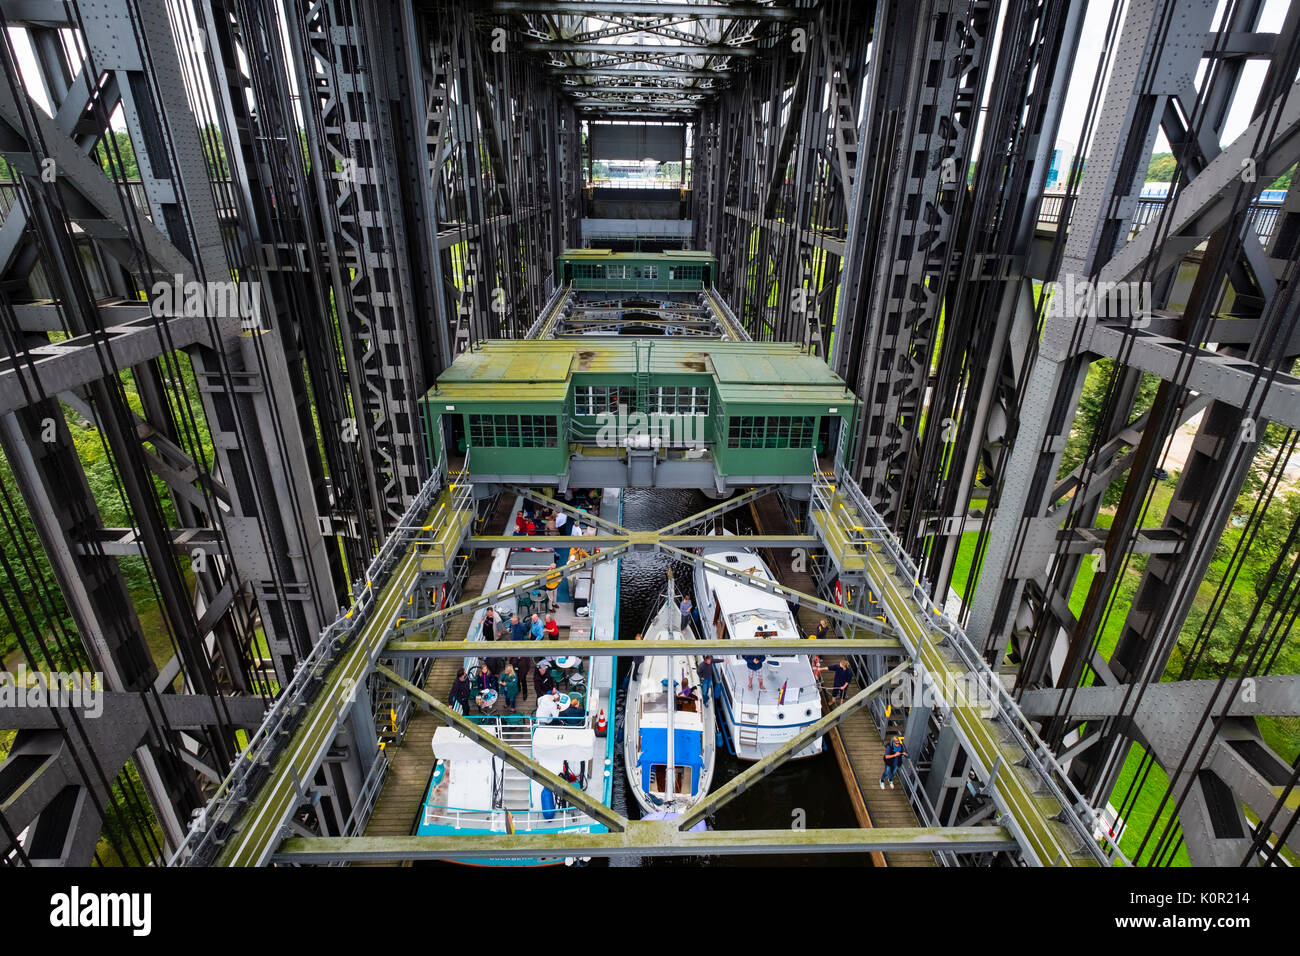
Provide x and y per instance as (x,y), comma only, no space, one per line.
(671,610)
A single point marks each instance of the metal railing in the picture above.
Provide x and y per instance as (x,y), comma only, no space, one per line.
(658,285)
(1263,214)
(222,192)
(445,517)
(870,528)
(251,768)
(725,316)
(553,305)
(637,182)
(495,820)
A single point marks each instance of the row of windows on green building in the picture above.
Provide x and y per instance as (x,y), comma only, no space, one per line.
(601,270)
(542,431)
(660,400)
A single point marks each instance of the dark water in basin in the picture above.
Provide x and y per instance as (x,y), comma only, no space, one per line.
(813,786)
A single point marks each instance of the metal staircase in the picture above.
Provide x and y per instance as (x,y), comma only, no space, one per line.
(516,785)
(1052,822)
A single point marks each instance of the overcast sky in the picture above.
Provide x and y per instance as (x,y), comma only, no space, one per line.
(1085,69)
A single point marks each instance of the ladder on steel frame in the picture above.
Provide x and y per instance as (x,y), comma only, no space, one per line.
(643,352)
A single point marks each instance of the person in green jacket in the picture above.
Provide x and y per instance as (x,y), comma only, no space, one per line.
(510,685)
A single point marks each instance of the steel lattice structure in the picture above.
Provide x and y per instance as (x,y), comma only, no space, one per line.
(385,185)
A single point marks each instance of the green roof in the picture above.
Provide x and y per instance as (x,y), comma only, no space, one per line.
(514,370)
(689,254)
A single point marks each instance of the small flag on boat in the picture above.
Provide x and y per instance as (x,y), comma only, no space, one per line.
(780,697)
(510,822)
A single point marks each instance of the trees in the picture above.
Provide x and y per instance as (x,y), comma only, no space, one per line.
(1161,168)
(1092,405)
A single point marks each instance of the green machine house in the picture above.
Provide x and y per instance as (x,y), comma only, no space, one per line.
(617,412)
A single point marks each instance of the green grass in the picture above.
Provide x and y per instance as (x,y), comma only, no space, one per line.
(1281,734)
(1143,810)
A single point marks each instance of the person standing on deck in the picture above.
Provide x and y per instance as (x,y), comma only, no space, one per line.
(523,667)
(561,521)
(823,630)
(705,670)
(688,612)
(543,683)
(510,686)
(551,629)
(553,578)
(895,754)
(755,664)
(490,625)
(518,629)
(460,692)
(535,630)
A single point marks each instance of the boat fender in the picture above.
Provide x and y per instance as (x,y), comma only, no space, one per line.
(548,805)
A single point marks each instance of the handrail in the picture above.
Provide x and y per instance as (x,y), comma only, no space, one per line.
(242,781)
(549,310)
(1083,817)
(726,316)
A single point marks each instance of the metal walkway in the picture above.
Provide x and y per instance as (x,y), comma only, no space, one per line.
(409,763)
(242,823)
(1048,820)
(1052,822)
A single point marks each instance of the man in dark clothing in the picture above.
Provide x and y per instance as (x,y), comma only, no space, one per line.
(490,634)
(523,667)
(843,675)
(518,629)
(823,630)
(895,754)
(460,692)
(705,670)
(542,680)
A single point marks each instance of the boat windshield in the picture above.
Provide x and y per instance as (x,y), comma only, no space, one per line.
(760,622)
(763,622)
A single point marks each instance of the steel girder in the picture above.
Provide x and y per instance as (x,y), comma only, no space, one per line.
(920,154)
(259,538)
(344,47)
(501,184)
(280,243)
(1159,50)
(1059,369)
(989,315)
(772,154)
